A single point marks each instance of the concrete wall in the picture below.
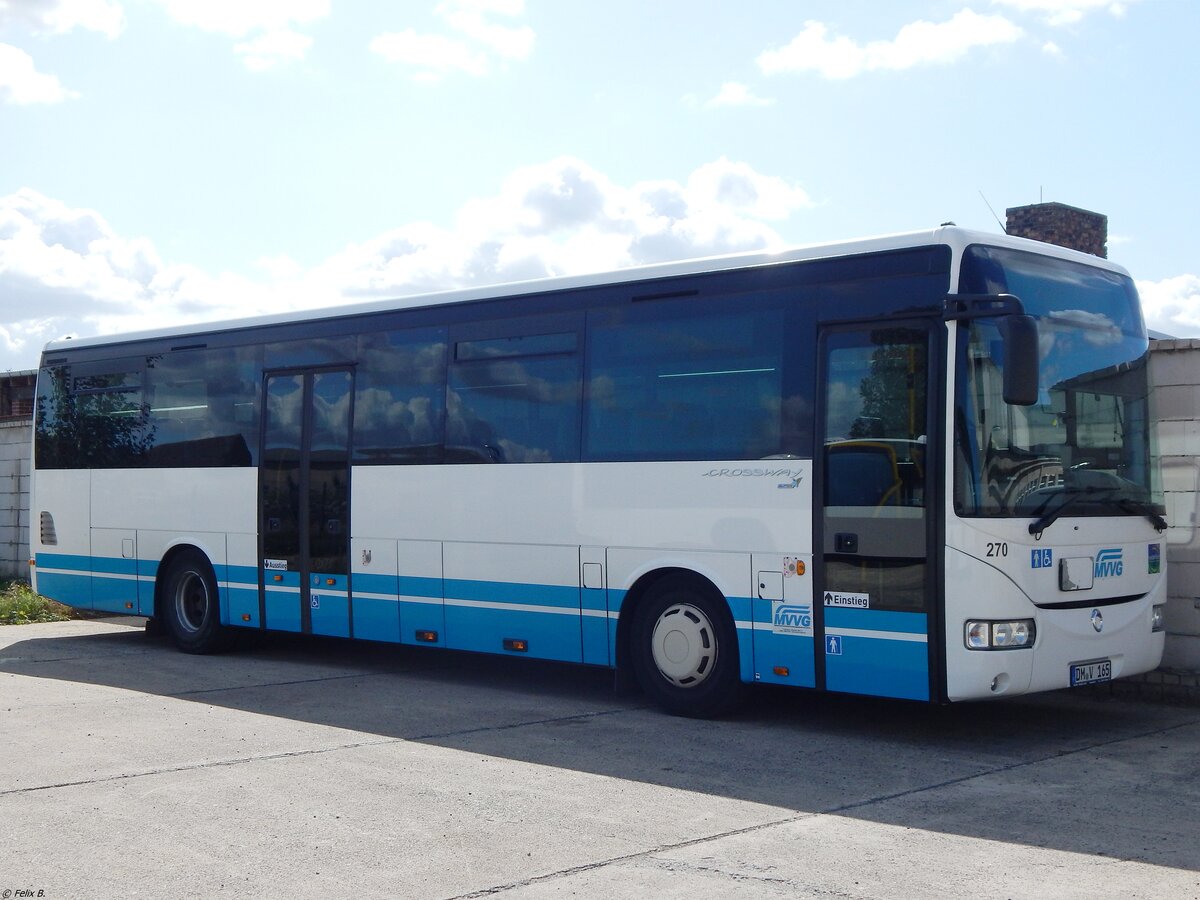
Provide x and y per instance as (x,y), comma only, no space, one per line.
(1175,368)
(15,440)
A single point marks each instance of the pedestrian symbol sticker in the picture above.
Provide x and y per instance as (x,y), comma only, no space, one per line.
(833,645)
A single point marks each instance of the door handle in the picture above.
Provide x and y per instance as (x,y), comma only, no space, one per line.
(845,542)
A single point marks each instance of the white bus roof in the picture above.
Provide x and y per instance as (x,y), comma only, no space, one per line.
(949,235)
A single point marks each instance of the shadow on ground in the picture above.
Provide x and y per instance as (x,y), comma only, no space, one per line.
(1075,772)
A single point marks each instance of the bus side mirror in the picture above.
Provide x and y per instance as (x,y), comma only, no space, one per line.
(1020,336)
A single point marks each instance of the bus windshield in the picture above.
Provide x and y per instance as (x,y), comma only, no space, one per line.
(1086,447)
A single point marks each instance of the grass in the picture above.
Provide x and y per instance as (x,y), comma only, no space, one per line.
(19,605)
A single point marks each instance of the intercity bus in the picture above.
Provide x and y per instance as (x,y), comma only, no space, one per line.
(918,466)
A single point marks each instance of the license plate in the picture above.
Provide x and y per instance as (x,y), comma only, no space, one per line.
(1091,673)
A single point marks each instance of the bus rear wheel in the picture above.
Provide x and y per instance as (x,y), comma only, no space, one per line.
(684,652)
(190,606)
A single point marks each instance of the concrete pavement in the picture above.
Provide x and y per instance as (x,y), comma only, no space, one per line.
(316,768)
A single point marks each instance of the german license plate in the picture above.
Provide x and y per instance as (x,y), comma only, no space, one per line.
(1091,673)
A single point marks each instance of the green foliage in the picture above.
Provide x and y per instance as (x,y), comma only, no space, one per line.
(19,605)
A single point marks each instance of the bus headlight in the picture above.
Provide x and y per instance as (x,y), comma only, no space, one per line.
(1009,635)
(1158,618)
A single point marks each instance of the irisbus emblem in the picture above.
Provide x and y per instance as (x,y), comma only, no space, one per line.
(1109,563)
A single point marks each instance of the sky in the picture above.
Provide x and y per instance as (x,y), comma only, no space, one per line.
(174,161)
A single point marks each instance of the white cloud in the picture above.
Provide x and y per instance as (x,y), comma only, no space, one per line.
(65,270)
(815,49)
(734,94)
(1172,305)
(432,55)
(1064,12)
(22,84)
(475,44)
(274,47)
(20,81)
(267,26)
(470,20)
(59,16)
(239,18)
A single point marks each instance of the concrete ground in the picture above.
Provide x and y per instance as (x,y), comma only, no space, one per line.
(318,768)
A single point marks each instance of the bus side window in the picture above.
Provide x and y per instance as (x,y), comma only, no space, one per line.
(202,408)
(688,386)
(400,397)
(514,399)
(95,416)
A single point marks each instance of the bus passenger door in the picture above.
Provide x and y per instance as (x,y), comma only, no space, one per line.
(874,589)
(304,501)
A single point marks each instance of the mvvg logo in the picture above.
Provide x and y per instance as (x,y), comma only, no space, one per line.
(1109,563)
(793,617)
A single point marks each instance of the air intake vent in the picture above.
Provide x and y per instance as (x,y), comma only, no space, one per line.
(49,535)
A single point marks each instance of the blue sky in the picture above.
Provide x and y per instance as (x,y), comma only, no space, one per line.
(164,161)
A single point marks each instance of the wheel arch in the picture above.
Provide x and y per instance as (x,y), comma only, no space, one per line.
(166,563)
(642,587)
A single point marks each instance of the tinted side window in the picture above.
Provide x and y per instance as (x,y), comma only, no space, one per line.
(522,406)
(203,408)
(91,415)
(706,386)
(400,400)
(55,438)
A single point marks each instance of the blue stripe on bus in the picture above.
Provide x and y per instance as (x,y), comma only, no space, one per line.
(412,586)
(484,629)
(742,610)
(147,571)
(376,620)
(70,589)
(330,613)
(278,578)
(876,620)
(880,668)
(877,665)
(114,565)
(595,627)
(377,584)
(616,597)
(118,595)
(552,635)
(422,617)
(242,601)
(793,654)
(77,564)
(283,610)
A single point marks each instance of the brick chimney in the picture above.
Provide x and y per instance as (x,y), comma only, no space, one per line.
(1057,223)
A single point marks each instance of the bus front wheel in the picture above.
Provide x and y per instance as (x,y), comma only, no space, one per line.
(684,652)
(190,606)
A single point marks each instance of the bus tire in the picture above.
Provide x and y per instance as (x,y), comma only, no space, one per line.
(684,652)
(191,607)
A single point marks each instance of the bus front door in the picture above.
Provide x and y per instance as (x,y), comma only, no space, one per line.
(874,584)
(304,501)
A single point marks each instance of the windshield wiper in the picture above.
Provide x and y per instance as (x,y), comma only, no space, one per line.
(1144,509)
(1046,519)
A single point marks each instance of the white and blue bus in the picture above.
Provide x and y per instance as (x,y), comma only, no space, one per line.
(918,466)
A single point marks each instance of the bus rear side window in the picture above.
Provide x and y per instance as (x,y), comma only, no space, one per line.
(686,388)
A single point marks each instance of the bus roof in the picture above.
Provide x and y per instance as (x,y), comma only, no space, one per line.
(949,235)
